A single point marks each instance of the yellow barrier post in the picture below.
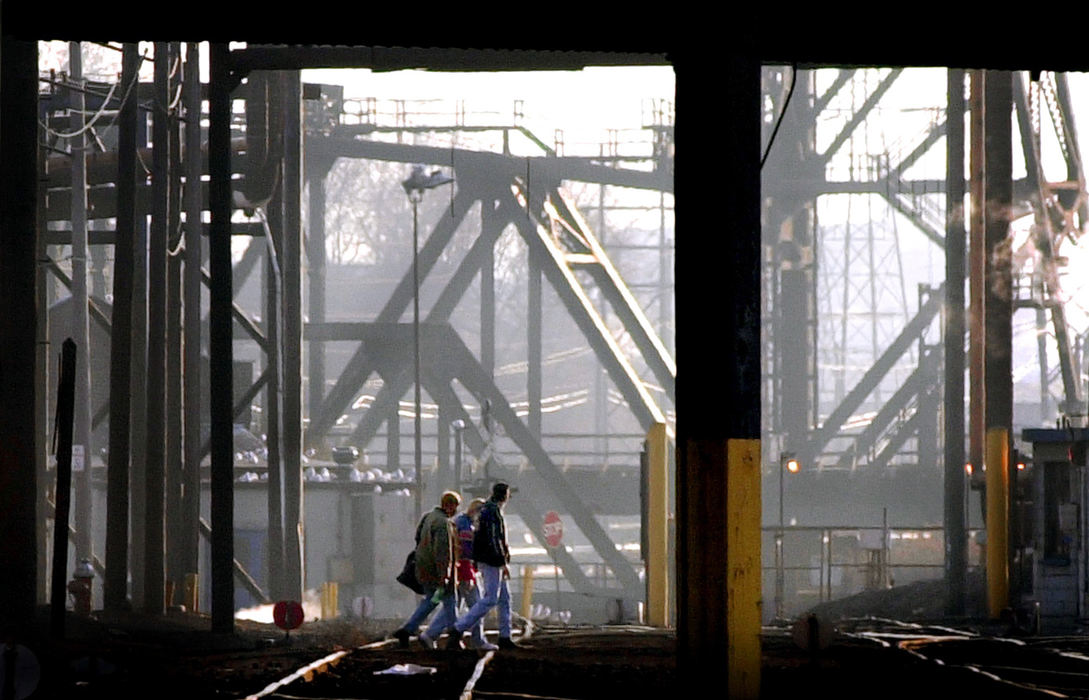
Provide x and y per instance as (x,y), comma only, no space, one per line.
(329,602)
(997,461)
(657,526)
(744,575)
(192,593)
(527,591)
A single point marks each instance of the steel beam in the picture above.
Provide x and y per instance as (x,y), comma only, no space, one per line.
(554,168)
(909,335)
(859,116)
(118,476)
(382,58)
(956,534)
(458,362)
(294,508)
(526,507)
(357,369)
(175,534)
(80,329)
(18,336)
(623,302)
(221,370)
(154,533)
(194,251)
(589,321)
(317,171)
(273,396)
(718,572)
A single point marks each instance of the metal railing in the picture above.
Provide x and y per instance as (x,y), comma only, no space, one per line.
(816,564)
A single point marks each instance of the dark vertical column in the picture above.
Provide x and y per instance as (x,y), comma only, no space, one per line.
(956,537)
(317,170)
(18,324)
(998,278)
(175,570)
(535,349)
(138,378)
(155,468)
(718,574)
(117,488)
(66,397)
(295,575)
(273,414)
(194,252)
(998,270)
(42,371)
(221,370)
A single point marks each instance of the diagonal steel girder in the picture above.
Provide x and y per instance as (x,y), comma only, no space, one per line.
(526,507)
(842,78)
(359,367)
(921,381)
(859,116)
(398,383)
(854,398)
(554,266)
(452,360)
(623,302)
(458,362)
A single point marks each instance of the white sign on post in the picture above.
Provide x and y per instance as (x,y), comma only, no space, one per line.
(77,458)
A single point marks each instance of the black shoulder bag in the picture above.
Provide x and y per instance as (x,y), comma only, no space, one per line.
(407,577)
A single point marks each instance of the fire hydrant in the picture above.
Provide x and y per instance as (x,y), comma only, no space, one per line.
(80,587)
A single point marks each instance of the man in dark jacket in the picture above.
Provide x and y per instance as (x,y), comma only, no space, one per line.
(492,559)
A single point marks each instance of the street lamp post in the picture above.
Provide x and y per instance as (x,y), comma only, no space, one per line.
(415,185)
(787,462)
(458,426)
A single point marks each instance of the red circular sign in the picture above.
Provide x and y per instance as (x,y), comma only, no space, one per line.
(287,614)
(553,528)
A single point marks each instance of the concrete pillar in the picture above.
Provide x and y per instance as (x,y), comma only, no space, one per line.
(718,445)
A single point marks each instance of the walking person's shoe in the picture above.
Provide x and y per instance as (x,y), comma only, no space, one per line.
(507,643)
(456,639)
(426,641)
(401,636)
(482,645)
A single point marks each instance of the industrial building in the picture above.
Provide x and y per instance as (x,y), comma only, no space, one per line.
(298,379)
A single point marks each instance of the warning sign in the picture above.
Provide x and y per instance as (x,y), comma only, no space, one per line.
(553,528)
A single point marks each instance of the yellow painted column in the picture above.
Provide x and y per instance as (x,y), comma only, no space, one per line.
(657,526)
(527,591)
(997,461)
(744,576)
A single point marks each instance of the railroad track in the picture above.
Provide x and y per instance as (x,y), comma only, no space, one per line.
(1044,667)
(439,674)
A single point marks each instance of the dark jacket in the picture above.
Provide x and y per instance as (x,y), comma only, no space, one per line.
(490,538)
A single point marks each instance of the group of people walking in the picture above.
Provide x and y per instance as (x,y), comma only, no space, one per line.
(451,550)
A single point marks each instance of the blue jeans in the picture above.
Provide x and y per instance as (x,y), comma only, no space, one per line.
(468,591)
(496,592)
(443,620)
